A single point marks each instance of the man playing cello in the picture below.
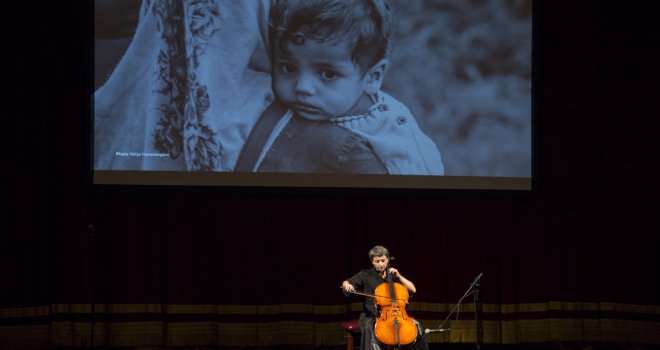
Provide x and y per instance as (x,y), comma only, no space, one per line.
(366,282)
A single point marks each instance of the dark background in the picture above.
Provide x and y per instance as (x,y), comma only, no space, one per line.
(585,234)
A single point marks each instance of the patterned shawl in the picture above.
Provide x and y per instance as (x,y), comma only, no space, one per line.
(189,88)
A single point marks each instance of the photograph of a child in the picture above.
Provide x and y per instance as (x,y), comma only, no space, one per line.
(329,62)
(318,86)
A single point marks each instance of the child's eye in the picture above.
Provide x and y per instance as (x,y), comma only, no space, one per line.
(287,68)
(329,75)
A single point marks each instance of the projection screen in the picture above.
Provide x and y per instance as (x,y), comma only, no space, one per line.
(182,91)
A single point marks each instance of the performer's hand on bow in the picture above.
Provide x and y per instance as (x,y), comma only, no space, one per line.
(348,287)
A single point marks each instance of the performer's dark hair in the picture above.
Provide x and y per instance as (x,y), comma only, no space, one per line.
(378,250)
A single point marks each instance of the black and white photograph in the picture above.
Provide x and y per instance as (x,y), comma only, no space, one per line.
(433,88)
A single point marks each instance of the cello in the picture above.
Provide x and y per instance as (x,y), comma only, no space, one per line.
(393,327)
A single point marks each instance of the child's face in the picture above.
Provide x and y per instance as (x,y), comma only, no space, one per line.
(319,81)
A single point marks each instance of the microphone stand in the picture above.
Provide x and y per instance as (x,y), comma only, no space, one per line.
(477,309)
(472,290)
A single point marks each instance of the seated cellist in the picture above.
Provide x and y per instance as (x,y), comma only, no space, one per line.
(366,281)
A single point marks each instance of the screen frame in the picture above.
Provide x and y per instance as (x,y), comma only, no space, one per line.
(104,181)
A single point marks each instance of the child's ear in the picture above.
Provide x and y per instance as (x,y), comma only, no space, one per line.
(374,77)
